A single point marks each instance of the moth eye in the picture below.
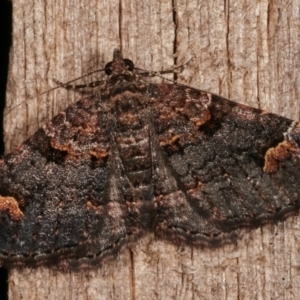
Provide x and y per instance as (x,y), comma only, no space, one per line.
(129,64)
(107,68)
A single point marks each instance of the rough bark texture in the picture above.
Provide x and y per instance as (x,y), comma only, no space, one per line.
(242,50)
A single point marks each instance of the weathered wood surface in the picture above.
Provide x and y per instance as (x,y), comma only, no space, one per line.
(243,50)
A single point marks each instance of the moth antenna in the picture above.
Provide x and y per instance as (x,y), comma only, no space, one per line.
(56,87)
(14,107)
(159,74)
(66,83)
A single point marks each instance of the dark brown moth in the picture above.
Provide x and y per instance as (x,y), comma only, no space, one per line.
(187,165)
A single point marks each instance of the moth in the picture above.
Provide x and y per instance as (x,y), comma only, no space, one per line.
(137,158)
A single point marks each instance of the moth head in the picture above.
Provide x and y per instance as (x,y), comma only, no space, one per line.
(119,66)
